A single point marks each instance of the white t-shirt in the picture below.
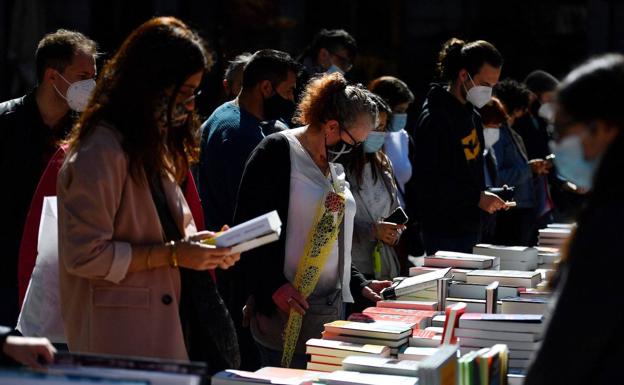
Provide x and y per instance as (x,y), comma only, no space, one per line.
(308,185)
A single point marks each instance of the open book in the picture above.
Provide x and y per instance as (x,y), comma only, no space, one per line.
(251,234)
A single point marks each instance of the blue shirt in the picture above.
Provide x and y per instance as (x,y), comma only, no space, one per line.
(227,139)
(513,168)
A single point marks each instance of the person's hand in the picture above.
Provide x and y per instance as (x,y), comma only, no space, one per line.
(28,350)
(287,297)
(213,256)
(491,202)
(539,166)
(387,232)
(198,256)
(372,290)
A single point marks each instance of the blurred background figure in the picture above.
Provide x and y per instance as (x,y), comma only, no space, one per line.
(233,76)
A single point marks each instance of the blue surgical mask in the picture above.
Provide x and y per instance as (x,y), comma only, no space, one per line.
(374,141)
(571,163)
(334,68)
(399,121)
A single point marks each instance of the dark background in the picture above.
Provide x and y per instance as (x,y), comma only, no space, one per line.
(395,37)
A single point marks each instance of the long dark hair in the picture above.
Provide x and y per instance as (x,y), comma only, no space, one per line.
(159,55)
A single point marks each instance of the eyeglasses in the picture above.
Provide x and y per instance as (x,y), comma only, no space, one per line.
(191,98)
(345,62)
(355,142)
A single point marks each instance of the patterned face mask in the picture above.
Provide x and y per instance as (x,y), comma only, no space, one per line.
(179,113)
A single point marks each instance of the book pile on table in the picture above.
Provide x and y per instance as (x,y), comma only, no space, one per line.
(511,257)
(420,286)
(555,235)
(485,366)
(380,338)
(520,332)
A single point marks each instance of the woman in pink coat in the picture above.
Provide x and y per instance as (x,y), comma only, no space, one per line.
(129,253)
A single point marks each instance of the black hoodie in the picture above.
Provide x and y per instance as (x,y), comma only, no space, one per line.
(448,167)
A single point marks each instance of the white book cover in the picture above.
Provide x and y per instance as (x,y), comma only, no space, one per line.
(511,257)
(254,228)
(420,282)
(381,365)
(515,278)
(461,260)
(494,335)
(342,377)
(417,353)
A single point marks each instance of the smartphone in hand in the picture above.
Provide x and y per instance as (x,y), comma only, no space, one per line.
(398,216)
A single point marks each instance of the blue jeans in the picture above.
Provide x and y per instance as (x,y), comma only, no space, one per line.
(459,244)
(270,357)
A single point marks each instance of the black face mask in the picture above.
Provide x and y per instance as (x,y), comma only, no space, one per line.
(276,107)
(340,152)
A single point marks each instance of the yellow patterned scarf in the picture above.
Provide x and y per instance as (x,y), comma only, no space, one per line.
(321,238)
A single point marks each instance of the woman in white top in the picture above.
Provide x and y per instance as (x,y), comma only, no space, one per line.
(300,282)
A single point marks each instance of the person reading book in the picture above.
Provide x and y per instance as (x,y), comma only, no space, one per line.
(590,154)
(133,274)
(300,282)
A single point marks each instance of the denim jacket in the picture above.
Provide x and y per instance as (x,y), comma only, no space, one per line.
(513,168)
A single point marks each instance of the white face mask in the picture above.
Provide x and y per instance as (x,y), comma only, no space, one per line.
(547,111)
(334,68)
(78,93)
(491,136)
(478,96)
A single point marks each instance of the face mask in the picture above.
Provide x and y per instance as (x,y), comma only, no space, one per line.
(179,114)
(547,111)
(571,163)
(399,121)
(339,151)
(334,68)
(478,96)
(78,93)
(276,107)
(491,135)
(374,141)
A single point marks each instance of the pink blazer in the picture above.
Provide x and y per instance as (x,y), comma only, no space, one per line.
(47,187)
(103,212)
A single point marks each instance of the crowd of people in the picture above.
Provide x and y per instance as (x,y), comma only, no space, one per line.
(142,180)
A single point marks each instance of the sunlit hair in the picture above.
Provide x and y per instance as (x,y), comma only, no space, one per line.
(157,58)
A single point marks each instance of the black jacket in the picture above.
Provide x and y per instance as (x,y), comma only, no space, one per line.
(448,166)
(261,270)
(576,349)
(26,146)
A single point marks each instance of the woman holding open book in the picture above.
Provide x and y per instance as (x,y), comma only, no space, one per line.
(590,154)
(134,277)
(301,282)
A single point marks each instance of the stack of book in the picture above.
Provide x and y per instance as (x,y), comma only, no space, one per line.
(511,257)
(462,261)
(548,257)
(381,365)
(420,318)
(456,274)
(440,368)
(408,286)
(485,366)
(513,278)
(520,332)
(342,377)
(523,305)
(327,355)
(554,237)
